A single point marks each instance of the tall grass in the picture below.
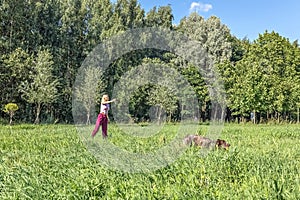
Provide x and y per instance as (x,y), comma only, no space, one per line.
(51,162)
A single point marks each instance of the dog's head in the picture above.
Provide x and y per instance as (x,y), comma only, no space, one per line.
(222,144)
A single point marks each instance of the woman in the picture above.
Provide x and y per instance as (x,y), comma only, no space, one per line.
(102,119)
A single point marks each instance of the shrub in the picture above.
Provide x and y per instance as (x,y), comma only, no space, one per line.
(11,108)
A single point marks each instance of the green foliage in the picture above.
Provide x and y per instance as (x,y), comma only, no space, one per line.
(161,17)
(162,99)
(16,69)
(211,33)
(128,14)
(87,90)
(42,89)
(266,80)
(10,109)
(100,22)
(260,76)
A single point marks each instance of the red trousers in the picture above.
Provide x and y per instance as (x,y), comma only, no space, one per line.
(101,121)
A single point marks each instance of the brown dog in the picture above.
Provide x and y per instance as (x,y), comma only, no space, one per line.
(201,141)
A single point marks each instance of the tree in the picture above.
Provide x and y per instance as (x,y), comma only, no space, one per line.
(211,33)
(278,60)
(70,51)
(266,79)
(248,92)
(99,22)
(44,21)
(14,27)
(213,36)
(86,89)
(164,100)
(14,69)
(128,14)
(42,88)
(161,17)
(11,108)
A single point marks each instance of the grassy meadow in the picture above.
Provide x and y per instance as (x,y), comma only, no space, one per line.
(52,162)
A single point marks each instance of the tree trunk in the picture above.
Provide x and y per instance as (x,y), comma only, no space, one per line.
(156,113)
(159,114)
(170,117)
(88,122)
(11,116)
(298,113)
(10,35)
(38,111)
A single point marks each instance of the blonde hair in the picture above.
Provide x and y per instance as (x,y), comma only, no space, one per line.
(103,98)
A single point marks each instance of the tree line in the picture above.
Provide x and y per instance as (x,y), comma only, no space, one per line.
(43,45)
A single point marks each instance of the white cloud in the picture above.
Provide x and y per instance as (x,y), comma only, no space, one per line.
(200,7)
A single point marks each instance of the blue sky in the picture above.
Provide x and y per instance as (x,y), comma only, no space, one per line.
(245,18)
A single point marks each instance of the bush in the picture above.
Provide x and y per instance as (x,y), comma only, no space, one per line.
(11,108)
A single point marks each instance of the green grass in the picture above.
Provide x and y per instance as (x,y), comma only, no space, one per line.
(52,162)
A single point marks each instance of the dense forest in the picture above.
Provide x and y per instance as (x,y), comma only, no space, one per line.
(44,43)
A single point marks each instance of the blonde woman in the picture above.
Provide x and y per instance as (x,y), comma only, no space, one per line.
(102,119)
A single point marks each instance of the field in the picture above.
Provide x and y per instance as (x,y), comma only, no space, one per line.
(52,162)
